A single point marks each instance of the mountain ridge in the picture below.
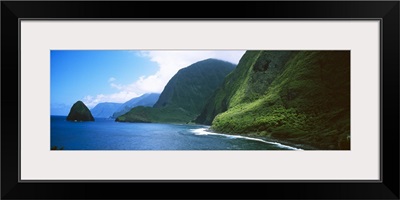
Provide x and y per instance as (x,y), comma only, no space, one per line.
(146,100)
(104,109)
(296,96)
(184,95)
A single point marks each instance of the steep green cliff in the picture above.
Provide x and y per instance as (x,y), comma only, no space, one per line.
(300,96)
(250,80)
(184,96)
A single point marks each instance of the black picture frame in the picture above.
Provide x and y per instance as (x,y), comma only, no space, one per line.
(386,11)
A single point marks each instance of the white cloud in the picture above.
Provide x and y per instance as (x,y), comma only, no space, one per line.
(169,62)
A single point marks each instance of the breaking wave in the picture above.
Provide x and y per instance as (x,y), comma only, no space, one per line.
(203,131)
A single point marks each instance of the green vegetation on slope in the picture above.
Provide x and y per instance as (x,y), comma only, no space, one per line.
(184,96)
(249,81)
(305,101)
(168,114)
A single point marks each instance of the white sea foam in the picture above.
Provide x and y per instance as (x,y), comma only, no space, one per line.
(203,131)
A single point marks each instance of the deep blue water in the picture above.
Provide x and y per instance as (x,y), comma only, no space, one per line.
(106,134)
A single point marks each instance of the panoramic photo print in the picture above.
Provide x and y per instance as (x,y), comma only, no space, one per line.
(199,100)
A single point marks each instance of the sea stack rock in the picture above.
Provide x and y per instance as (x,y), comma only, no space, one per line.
(79,112)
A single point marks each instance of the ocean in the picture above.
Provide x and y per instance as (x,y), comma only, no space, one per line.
(106,134)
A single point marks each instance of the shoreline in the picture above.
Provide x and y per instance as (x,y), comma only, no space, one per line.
(268,139)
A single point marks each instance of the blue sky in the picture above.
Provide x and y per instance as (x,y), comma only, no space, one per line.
(95,76)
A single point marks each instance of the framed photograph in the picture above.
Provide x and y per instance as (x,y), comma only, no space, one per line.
(115,99)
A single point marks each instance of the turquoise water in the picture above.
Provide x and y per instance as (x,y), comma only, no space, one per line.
(106,134)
